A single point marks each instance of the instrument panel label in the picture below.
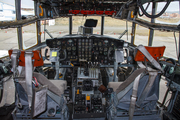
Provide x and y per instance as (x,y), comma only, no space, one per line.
(54,54)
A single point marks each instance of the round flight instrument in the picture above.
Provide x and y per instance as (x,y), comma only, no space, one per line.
(105,49)
(112,43)
(105,53)
(63,42)
(105,42)
(100,48)
(73,48)
(95,43)
(70,41)
(100,44)
(69,48)
(58,42)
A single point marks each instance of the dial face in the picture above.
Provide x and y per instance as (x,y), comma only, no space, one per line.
(73,48)
(95,43)
(105,42)
(105,49)
(105,53)
(100,48)
(70,41)
(58,42)
(63,42)
(112,43)
(69,48)
(100,44)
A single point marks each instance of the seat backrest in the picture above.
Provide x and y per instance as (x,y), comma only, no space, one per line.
(151,97)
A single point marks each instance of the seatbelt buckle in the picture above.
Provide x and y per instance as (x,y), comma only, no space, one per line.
(134,96)
(29,52)
(16,51)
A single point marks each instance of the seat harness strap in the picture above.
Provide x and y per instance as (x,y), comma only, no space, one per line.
(134,97)
(14,58)
(152,75)
(28,75)
(149,57)
(124,88)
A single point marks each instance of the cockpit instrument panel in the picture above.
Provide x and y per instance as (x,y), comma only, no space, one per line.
(86,49)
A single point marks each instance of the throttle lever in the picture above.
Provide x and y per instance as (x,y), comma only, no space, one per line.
(46,51)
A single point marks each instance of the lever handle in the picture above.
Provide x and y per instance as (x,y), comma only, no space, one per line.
(46,51)
(41,14)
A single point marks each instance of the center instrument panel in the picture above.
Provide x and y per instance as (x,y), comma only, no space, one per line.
(86,49)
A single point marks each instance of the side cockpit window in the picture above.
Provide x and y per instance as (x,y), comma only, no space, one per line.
(8,40)
(171,15)
(29,35)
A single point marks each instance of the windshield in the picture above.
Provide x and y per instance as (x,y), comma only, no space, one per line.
(60,26)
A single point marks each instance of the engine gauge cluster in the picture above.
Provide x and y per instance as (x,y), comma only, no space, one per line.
(83,49)
(102,51)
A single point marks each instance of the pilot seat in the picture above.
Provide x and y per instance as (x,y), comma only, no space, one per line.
(36,96)
(136,98)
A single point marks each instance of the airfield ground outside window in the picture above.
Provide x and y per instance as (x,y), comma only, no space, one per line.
(56,27)
(8,40)
(166,39)
(27,8)
(80,20)
(141,35)
(115,28)
(29,35)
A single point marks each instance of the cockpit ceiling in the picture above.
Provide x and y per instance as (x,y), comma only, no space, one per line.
(65,9)
(119,9)
(121,1)
(54,1)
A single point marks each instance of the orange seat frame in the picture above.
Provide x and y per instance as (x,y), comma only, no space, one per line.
(37,58)
(155,52)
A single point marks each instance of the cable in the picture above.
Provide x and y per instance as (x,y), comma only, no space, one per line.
(167,102)
(154,16)
(127,29)
(176,44)
(145,10)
